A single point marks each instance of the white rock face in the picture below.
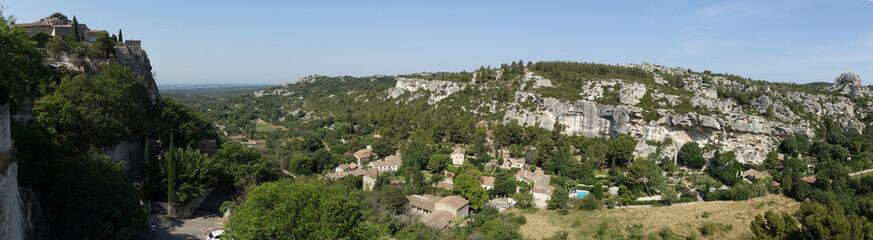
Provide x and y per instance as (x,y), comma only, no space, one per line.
(12,220)
(751,137)
(438,89)
(538,80)
(850,83)
(630,94)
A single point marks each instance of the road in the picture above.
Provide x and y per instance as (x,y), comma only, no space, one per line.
(204,219)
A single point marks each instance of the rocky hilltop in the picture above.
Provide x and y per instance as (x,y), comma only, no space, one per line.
(662,107)
(750,130)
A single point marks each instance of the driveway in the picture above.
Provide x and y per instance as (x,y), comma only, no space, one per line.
(205,219)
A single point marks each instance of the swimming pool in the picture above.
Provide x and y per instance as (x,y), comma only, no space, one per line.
(580,194)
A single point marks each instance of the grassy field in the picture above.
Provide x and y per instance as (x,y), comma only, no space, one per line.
(683,220)
(262,126)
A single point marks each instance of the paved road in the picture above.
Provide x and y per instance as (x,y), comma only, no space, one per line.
(204,219)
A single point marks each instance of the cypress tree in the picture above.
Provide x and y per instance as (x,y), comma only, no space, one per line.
(597,190)
(76,29)
(120,38)
(171,173)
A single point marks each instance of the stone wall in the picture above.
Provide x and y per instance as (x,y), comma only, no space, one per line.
(179,210)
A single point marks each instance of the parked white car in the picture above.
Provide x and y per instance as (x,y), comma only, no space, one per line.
(214,235)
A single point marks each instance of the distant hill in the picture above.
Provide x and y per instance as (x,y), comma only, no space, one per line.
(661,107)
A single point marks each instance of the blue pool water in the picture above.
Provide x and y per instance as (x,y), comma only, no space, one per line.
(580,194)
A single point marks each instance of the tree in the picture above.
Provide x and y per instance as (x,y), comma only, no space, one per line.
(76,29)
(21,70)
(725,167)
(194,172)
(775,226)
(644,174)
(468,186)
(240,164)
(669,195)
(100,111)
(559,200)
(772,160)
(392,198)
(504,183)
(621,150)
(690,155)
(437,162)
(597,190)
(120,38)
(104,44)
(299,209)
(179,122)
(102,205)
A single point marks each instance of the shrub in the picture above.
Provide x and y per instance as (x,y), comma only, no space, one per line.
(705,214)
(711,228)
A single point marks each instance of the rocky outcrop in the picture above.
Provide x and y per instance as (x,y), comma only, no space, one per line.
(630,94)
(12,217)
(131,55)
(538,81)
(751,137)
(850,83)
(438,89)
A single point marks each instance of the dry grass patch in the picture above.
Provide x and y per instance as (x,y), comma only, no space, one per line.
(683,220)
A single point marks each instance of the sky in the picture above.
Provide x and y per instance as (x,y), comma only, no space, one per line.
(270,42)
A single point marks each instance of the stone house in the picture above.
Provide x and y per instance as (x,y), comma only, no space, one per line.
(435,211)
(487,183)
(753,175)
(512,163)
(540,187)
(458,156)
(370,178)
(58,26)
(390,164)
(365,155)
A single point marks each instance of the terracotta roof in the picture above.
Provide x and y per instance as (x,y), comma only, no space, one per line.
(455,202)
(544,189)
(487,181)
(353,165)
(810,179)
(372,173)
(528,176)
(755,174)
(388,162)
(358,172)
(94,31)
(348,154)
(438,220)
(343,167)
(446,185)
(336,175)
(361,154)
(419,201)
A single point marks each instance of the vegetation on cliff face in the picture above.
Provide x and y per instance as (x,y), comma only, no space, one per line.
(76,116)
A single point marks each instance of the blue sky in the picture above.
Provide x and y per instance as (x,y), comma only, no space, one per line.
(273,42)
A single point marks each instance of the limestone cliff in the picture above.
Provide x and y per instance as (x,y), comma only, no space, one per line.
(751,129)
(12,218)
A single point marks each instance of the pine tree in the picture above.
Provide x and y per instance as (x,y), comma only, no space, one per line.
(76,29)
(120,38)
